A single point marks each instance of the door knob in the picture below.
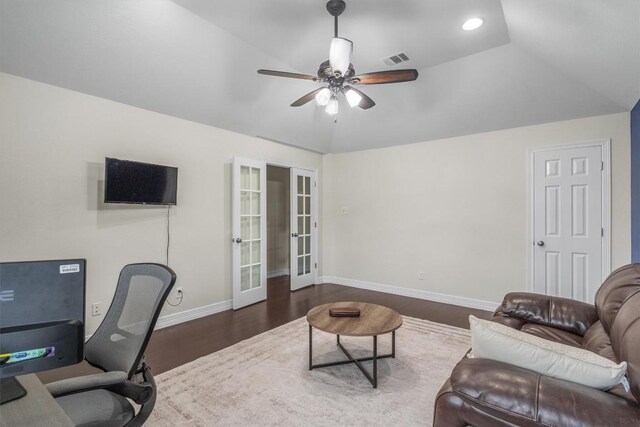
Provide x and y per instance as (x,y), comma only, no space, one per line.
(294,234)
(238,240)
(540,243)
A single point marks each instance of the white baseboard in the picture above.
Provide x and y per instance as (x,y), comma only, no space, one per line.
(192,314)
(413,293)
(207,310)
(184,316)
(278,273)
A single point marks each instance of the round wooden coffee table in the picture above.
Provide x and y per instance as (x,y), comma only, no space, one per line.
(374,320)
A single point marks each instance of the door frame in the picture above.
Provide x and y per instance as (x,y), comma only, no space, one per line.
(605,146)
(315,208)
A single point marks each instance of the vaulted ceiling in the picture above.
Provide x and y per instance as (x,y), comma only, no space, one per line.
(533,61)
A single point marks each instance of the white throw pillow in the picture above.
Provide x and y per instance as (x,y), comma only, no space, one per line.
(491,340)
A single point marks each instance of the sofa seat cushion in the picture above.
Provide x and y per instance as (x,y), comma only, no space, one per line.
(553,334)
(509,392)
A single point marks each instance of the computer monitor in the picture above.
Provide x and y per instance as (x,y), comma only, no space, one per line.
(41,319)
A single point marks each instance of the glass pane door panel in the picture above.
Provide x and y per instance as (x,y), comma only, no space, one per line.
(255,276)
(244,202)
(307,224)
(300,266)
(255,227)
(245,278)
(255,179)
(300,205)
(307,245)
(300,245)
(244,177)
(255,203)
(255,252)
(244,228)
(307,264)
(307,186)
(307,205)
(244,254)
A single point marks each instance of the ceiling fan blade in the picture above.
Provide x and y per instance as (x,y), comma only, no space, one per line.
(382,77)
(308,97)
(365,102)
(286,74)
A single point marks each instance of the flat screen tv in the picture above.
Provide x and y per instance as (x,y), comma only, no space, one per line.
(141,183)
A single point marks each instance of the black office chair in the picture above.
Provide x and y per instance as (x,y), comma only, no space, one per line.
(117,347)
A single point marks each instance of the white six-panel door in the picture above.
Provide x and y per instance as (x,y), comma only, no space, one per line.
(249,228)
(567,223)
(303,228)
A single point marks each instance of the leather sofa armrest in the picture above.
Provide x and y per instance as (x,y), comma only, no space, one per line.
(524,397)
(447,410)
(562,313)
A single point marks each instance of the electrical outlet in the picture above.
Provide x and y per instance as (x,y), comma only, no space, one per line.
(95,309)
(420,275)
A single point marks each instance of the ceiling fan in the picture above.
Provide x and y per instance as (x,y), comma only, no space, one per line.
(339,75)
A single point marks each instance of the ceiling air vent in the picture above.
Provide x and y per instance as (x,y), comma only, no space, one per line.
(396,59)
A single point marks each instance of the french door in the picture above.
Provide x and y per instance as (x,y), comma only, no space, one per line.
(249,232)
(568,222)
(304,228)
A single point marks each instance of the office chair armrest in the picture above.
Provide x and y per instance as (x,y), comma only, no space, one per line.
(86,383)
(139,393)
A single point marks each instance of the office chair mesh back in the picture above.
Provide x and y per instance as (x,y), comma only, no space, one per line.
(119,342)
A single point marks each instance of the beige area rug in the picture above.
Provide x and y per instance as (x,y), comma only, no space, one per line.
(265,380)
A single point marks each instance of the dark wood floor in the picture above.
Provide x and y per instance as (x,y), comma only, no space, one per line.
(176,345)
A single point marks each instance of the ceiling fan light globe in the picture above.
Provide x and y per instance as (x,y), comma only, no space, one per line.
(353,98)
(323,97)
(340,55)
(332,107)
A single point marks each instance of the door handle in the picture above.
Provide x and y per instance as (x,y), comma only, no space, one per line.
(540,243)
(294,234)
(237,240)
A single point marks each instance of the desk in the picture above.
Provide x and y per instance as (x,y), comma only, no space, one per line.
(37,408)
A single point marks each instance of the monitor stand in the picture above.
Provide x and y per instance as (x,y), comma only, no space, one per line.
(10,389)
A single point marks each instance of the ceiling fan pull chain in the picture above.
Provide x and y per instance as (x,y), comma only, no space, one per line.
(335,26)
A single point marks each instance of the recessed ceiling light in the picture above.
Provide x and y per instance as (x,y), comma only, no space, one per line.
(472,24)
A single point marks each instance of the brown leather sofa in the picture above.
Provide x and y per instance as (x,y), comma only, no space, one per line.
(482,392)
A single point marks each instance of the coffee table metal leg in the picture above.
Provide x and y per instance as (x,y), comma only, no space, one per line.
(393,344)
(373,377)
(375,361)
(310,349)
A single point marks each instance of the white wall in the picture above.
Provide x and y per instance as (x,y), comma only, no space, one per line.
(53,143)
(278,219)
(455,209)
